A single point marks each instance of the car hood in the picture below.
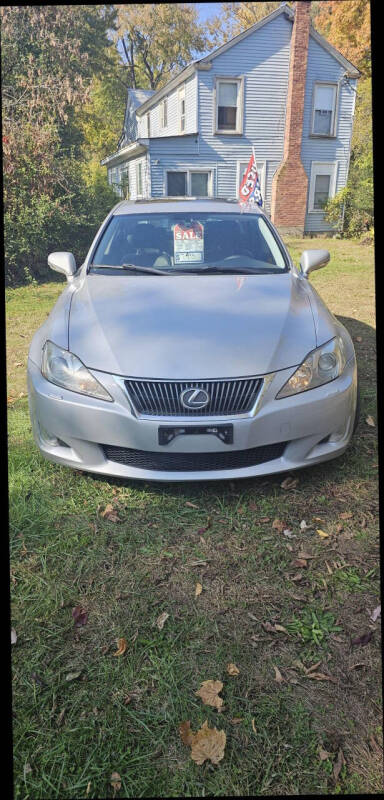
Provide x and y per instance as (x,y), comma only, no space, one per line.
(191,326)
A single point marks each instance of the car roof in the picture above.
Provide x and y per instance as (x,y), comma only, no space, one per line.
(189,204)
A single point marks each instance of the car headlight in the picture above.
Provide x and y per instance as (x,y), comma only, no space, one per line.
(65,369)
(321,366)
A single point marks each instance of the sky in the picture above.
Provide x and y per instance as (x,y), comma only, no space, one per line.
(207,10)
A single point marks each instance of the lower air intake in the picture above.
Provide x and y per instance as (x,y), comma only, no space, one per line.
(193,462)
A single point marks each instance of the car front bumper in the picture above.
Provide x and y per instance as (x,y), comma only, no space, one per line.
(71,429)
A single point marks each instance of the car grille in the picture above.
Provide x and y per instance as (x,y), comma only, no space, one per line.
(193,462)
(162,398)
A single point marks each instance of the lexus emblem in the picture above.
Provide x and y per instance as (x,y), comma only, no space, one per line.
(194,398)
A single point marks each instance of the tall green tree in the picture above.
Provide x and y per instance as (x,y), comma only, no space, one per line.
(49,60)
(157,40)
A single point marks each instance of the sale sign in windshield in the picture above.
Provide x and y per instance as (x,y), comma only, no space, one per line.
(189,243)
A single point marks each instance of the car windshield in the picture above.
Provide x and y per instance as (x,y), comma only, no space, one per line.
(189,242)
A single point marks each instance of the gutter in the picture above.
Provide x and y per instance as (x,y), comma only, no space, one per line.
(127,152)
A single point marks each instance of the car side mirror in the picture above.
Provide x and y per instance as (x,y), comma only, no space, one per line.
(63,262)
(313,259)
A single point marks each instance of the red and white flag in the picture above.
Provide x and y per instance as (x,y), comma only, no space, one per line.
(250,192)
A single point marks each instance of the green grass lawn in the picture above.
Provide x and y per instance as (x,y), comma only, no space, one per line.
(81,713)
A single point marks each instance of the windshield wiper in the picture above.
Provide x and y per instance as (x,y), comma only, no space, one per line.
(238,270)
(131,268)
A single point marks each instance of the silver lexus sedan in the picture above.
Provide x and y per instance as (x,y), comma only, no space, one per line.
(188,346)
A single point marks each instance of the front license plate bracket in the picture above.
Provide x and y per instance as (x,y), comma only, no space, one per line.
(168,433)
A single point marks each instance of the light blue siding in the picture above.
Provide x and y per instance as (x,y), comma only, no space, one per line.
(322,66)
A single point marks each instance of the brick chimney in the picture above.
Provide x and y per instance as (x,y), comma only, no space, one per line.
(290,182)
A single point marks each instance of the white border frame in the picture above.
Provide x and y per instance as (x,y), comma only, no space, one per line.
(332,134)
(180,97)
(188,170)
(321,168)
(239,79)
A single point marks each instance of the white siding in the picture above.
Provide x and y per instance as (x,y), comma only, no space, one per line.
(322,66)
(172,128)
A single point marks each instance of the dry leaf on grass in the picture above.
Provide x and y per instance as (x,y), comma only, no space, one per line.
(232,669)
(322,534)
(209,693)
(306,556)
(289,483)
(297,577)
(80,616)
(121,647)
(253,725)
(338,764)
(319,676)
(370,421)
(304,525)
(346,515)
(13,636)
(299,562)
(376,613)
(363,639)
(186,733)
(236,720)
(191,505)
(72,676)
(278,676)
(161,620)
(115,782)
(280,628)
(323,754)
(278,525)
(208,743)
(110,513)
(198,589)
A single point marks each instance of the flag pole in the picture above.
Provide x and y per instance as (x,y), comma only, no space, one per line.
(254,157)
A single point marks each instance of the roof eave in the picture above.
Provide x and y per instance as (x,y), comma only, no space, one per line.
(127,152)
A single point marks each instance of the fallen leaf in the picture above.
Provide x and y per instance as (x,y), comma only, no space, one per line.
(115,782)
(110,513)
(186,734)
(232,669)
(346,515)
(161,620)
(370,421)
(208,743)
(338,764)
(278,676)
(60,717)
(299,562)
(363,639)
(191,505)
(209,693)
(27,769)
(357,666)
(289,534)
(319,676)
(323,754)
(253,725)
(322,534)
(121,647)
(297,577)
(88,789)
(72,676)
(236,720)
(268,627)
(289,483)
(18,364)
(13,636)
(80,616)
(376,613)
(358,338)
(278,525)
(280,628)
(264,519)
(304,526)
(198,589)
(312,668)
(305,555)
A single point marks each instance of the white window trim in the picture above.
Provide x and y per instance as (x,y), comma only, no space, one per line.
(181,96)
(148,118)
(321,168)
(240,105)
(189,170)
(137,165)
(332,133)
(261,167)
(163,105)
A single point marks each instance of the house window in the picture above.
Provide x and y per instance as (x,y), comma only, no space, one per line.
(176,184)
(182,109)
(191,183)
(124,183)
(324,109)
(139,179)
(165,113)
(148,125)
(228,105)
(322,185)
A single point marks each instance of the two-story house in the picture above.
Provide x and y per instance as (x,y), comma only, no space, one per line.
(280,88)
